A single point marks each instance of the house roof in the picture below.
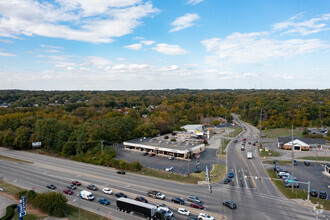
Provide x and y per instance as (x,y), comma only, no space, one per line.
(309,141)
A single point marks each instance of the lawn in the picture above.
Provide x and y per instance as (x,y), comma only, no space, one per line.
(281,132)
(269,153)
(237,131)
(279,162)
(314,158)
(298,193)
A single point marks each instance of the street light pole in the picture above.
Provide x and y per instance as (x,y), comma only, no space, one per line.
(292,160)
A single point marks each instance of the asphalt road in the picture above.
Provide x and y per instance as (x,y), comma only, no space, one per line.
(255,199)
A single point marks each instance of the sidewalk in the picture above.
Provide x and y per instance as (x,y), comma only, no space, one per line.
(4,203)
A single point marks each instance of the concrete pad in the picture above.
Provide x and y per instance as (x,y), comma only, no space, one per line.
(4,203)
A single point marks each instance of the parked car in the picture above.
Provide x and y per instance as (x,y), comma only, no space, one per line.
(141,199)
(194,199)
(1,190)
(92,187)
(227,180)
(231,174)
(120,194)
(204,216)
(145,153)
(73,187)
(51,186)
(169,169)
(323,195)
(307,163)
(197,205)
(107,191)
(183,211)
(121,172)
(171,158)
(192,218)
(230,204)
(313,193)
(152,154)
(295,162)
(76,183)
(178,200)
(104,201)
(289,184)
(68,191)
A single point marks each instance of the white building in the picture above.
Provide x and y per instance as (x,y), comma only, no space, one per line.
(194,128)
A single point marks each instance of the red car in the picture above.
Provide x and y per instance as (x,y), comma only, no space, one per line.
(197,205)
(75,182)
(68,191)
(244,139)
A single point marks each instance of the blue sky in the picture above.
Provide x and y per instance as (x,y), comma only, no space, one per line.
(164,44)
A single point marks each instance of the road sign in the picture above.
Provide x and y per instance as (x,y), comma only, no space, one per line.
(23,204)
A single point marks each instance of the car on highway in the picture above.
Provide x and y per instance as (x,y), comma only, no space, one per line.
(73,187)
(204,216)
(231,174)
(313,193)
(178,200)
(230,204)
(227,180)
(307,163)
(120,194)
(1,190)
(51,186)
(192,198)
(92,187)
(163,205)
(141,199)
(249,142)
(323,195)
(192,218)
(107,191)
(104,201)
(197,205)
(183,211)
(76,183)
(121,172)
(68,191)
(168,169)
(171,158)
(235,141)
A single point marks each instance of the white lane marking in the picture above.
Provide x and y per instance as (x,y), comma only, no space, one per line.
(246,185)
(236,177)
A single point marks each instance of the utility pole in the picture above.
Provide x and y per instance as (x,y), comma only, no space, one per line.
(260,128)
(292,160)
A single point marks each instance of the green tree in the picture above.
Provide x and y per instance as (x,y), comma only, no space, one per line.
(22,136)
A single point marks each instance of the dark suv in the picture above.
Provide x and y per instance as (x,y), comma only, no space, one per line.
(230,204)
(313,193)
(178,200)
(92,187)
(323,195)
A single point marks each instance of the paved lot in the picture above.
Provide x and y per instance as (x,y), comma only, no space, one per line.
(311,173)
(4,202)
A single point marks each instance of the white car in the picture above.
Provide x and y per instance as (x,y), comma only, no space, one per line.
(204,216)
(183,211)
(1,189)
(169,169)
(107,191)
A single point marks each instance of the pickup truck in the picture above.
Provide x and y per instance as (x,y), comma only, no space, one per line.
(156,194)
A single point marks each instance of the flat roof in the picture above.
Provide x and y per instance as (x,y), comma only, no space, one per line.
(191,127)
(165,144)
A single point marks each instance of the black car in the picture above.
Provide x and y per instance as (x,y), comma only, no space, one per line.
(51,186)
(192,218)
(323,195)
(120,194)
(313,193)
(73,187)
(92,187)
(230,204)
(141,199)
(178,200)
(235,141)
(145,154)
(121,172)
(295,162)
(307,163)
(228,180)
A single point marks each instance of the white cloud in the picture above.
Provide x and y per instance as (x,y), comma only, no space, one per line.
(98,62)
(73,19)
(169,49)
(49,46)
(194,2)
(137,46)
(258,47)
(147,42)
(6,41)
(53,51)
(6,54)
(311,26)
(184,21)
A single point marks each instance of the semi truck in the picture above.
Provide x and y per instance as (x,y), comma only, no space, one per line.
(249,155)
(87,195)
(147,210)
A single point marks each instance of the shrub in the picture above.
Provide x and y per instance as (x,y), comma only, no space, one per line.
(173,139)
(52,202)
(9,212)
(166,137)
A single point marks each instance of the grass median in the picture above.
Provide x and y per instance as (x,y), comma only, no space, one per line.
(298,193)
(321,158)
(13,159)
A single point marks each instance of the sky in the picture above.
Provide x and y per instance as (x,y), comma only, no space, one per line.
(164,44)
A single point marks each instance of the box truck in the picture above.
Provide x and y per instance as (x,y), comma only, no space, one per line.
(249,155)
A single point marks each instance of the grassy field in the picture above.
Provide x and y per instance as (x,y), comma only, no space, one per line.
(269,153)
(314,158)
(298,193)
(237,131)
(279,162)
(9,188)
(13,159)
(281,132)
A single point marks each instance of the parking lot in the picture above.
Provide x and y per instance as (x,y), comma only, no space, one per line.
(311,173)
(207,158)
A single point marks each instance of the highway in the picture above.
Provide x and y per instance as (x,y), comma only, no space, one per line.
(255,199)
